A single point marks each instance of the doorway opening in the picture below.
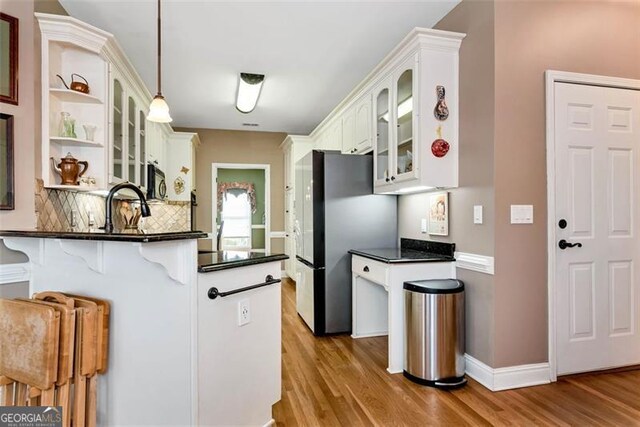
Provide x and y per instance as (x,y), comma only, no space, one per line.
(241,214)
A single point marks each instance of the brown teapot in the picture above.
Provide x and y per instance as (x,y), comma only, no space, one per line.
(69,169)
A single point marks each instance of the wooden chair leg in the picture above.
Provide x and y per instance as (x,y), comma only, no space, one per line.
(64,400)
(34,396)
(48,397)
(79,400)
(7,394)
(92,401)
(21,394)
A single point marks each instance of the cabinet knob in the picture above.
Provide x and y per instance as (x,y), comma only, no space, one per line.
(387,179)
(393,178)
(366,269)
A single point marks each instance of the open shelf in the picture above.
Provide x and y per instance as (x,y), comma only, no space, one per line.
(405,142)
(67,95)
(75,141)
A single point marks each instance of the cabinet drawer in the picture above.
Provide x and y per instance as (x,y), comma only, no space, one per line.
(369,269)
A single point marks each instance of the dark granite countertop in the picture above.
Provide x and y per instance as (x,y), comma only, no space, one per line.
(101,235)
(410,250)
(210,261)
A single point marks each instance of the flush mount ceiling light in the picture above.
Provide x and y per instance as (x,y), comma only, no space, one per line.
(249,87)
(159,109)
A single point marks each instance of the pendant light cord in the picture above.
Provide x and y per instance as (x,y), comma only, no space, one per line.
(159,52)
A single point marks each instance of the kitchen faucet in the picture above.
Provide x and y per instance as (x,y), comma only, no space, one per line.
(144,207)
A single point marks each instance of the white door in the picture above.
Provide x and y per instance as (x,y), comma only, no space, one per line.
(597,138)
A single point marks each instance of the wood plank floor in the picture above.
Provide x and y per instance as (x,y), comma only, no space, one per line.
(333,381)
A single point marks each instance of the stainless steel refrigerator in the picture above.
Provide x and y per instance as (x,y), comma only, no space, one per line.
(335,210)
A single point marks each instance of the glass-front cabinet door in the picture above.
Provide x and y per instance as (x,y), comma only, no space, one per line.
(132,141)
(142,159)
(118,132)
(405,154)
(382,133)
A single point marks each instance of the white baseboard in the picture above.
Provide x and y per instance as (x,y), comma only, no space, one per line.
(14,273)
(507,378)
(370,335)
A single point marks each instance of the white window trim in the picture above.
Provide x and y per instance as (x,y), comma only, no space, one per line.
(267,197)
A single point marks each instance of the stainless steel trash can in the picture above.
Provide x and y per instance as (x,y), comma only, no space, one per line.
(434,332)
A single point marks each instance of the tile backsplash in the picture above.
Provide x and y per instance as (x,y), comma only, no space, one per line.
(55,209)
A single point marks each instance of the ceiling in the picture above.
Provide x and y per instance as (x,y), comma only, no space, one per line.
(312,52)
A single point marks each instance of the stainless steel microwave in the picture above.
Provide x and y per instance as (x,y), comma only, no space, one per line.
(156,185)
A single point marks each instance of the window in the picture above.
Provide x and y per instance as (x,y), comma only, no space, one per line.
(236,214)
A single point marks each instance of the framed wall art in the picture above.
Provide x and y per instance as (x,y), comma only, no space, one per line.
(8,59)
(7,185)
(439,214)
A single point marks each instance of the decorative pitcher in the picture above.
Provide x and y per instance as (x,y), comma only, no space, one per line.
(69,169)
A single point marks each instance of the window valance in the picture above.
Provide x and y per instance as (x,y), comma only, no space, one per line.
(237,188)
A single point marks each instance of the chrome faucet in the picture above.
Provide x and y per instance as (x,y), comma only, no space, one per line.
(144,207)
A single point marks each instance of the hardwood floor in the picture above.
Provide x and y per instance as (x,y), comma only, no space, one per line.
(333,381)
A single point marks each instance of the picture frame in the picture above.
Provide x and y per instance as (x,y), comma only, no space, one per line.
(7,183)
(439,214)
(8,59)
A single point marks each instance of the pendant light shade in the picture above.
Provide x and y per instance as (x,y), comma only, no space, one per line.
(159,109)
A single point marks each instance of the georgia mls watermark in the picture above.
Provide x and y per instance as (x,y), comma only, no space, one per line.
(30,416)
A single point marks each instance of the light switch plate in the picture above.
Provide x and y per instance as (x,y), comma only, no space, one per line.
(477,214)
(423,225)
(521,214)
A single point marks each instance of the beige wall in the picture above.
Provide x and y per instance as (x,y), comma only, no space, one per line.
(502,152)
(23,216)
(476,171)
(227,146)
(587,37)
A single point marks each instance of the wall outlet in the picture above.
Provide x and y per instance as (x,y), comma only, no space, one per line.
(244,312)
(423,225)
(477,214)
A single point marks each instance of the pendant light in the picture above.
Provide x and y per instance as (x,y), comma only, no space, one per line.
(159,109)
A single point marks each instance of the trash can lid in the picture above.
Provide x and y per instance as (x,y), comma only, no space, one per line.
(438,286)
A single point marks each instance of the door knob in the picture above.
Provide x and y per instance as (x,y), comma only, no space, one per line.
(563,244)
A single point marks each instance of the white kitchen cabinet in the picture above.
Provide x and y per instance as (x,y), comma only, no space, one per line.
(180,169)
(410,163)
(395,156)
(392,112)
(124,141)
(127,141)
(239,366)
(72,51)
(356,127)
(349,131)
(294,148)
(363,124)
